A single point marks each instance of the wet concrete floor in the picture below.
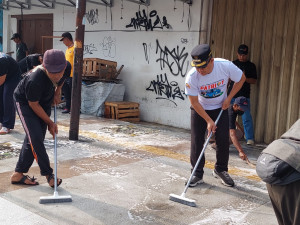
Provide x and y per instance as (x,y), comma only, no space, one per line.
(122,173)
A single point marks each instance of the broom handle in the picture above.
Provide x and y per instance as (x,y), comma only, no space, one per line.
(202,152)
(55,153)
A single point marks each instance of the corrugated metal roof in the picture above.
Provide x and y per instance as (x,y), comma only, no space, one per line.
(50,4)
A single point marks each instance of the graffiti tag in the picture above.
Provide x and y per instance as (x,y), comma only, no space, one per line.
(89,49)
(184,40)
(92,16)
(173,59)
(147,51)
(165,90)
(151,22)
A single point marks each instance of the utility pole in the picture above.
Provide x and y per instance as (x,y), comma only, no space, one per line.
(77,75)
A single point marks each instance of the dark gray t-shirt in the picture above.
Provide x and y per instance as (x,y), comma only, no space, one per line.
(21,49)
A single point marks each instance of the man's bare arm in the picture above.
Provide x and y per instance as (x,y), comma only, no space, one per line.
(237,144)
(236,87)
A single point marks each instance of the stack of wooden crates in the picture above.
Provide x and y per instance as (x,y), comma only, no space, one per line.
(126,111)
(95,69)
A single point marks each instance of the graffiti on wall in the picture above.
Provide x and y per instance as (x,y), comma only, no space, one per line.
(184,40)
(174,59)
(92,16)
(147,48)
(166,90)
(108,46)
(89,49)
(151,22)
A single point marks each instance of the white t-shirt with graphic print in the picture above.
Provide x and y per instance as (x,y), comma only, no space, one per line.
(211,89)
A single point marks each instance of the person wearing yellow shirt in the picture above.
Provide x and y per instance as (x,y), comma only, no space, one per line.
(67,39)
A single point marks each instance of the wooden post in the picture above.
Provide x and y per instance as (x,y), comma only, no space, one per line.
(77,75)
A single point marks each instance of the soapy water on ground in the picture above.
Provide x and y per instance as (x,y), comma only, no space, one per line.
(9,150)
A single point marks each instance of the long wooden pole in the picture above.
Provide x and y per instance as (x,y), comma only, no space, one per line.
(77,75)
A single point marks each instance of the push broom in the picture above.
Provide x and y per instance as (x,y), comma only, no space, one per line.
(181,198)
(56,198)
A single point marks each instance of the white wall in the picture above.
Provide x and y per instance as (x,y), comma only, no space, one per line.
(155,62)
(9,28)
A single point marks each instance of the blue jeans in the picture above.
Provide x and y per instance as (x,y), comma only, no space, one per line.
(247,122)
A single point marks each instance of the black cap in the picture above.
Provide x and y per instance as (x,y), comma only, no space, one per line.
(243,49)
(201,55)
(66,35)
(242,103)
(15,35)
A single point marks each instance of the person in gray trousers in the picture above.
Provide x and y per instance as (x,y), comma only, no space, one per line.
(279,167)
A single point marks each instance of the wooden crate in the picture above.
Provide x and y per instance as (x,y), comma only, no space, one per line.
(100,69)
(126,111)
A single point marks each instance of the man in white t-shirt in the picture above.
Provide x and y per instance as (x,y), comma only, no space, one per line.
(206,87)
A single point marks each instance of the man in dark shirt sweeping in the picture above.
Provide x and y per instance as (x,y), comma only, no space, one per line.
(30,61)
(34,95)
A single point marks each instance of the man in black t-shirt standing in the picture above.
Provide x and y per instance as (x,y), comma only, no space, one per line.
(21,47)
(34,96)
(249,70)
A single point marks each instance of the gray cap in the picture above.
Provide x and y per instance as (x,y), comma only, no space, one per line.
(54,61)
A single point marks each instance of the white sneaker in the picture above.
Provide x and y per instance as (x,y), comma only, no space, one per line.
(4,130)
(250,142)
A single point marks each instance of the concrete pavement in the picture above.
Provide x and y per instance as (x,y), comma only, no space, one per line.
(123,173)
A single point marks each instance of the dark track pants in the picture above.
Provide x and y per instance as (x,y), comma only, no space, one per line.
(285,200)
(7,107)
(198,129)
(33,145)
(67,90)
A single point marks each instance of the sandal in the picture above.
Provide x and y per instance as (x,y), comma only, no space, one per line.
(50,177)
(26,177)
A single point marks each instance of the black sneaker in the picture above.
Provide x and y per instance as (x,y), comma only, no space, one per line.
(226,179)
(195,180)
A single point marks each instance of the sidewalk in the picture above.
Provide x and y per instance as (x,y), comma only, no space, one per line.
(123,173)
